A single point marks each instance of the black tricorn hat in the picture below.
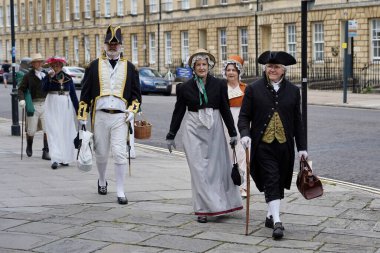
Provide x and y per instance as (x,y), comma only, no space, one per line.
(276,57)
(113,34)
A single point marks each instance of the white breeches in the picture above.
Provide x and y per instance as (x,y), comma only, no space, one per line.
(110,131)
(39,115)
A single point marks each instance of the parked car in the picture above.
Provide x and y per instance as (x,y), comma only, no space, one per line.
(24,61)
(76,73)
(152,82)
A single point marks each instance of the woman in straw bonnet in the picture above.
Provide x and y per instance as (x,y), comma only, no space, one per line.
(206,100)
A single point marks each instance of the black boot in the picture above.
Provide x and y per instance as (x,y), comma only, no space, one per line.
(45,150)
(29,144)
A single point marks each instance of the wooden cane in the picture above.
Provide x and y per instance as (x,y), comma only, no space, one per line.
(22,130)
(248,178)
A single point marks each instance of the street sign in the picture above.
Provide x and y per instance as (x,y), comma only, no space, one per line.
(352,28)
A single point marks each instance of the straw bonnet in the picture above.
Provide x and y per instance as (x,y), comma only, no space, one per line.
(36,57)
(202,51)
(276,57)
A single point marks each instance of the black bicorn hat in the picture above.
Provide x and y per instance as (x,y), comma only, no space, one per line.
(276,57)
(113,34)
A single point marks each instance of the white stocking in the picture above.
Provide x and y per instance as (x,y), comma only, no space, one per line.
(269,213)
(120,178)
(274,206)
(102,172)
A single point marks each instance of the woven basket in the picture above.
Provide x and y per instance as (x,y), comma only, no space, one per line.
(143,129)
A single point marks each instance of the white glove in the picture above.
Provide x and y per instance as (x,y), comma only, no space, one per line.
(130,116)
(303,153)
(83,122)
(171,144)
(246,142)
(21,103)
(51,73)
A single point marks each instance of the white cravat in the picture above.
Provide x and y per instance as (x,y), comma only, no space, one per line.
(276,85)
(39,74)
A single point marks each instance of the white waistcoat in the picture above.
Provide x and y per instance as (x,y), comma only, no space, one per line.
(112,80)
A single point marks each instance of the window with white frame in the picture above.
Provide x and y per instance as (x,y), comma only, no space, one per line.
(97,8)
(223,2)
(185,4)
(375,40)
(87,9)
(291,39)
(31,13)
(168,5)
(243,38)
(168,48)
(204,3)
(318,42)
(67,10)
(38,45)
(56,46)
(39,12)
(48,11)
(107,8)
(87,49)
(152,48)
(97,46)
(46,47)
(66,48)
(76,50)
(57,11)
(76,9)
(8,13)
(135,51)
(184,46)
(134,7)
(8,54)
(223,44)
(1,19)
(120,7)
(153,6)
(15,9)
(23,14)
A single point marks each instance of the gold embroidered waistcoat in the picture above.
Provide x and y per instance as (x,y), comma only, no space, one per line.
(274,130)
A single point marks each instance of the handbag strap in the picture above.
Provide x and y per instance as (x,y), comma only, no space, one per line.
(234,154)
(305,165)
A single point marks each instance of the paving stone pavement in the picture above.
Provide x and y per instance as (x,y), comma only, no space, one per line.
(56,211)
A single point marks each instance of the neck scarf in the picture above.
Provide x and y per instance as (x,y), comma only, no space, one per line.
(201,89)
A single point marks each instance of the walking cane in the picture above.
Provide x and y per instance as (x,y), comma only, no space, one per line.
(22,130)
(248,178)
(129,146)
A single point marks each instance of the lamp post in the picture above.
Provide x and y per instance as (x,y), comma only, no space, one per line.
(256,40)
(15,129)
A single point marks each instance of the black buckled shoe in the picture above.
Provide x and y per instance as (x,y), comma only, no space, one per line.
(269,222)
(202,219)
(54,165)
(102,190)
(122,200)
(278,231)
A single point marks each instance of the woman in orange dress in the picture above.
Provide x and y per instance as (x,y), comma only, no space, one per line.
(232,71)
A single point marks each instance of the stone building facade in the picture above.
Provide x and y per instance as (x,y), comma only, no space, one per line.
(162,33)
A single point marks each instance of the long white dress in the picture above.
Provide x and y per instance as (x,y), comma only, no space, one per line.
(214,192)
(60,122)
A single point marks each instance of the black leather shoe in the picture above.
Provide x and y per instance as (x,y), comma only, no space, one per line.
(102,190)
(54,165)
(64,164)
(278,231)
(202,219)
(122,200)
(269,222)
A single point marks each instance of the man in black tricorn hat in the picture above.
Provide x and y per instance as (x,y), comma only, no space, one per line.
(270,116)
(111,93)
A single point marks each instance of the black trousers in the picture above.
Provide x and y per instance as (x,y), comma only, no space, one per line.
(273,159)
